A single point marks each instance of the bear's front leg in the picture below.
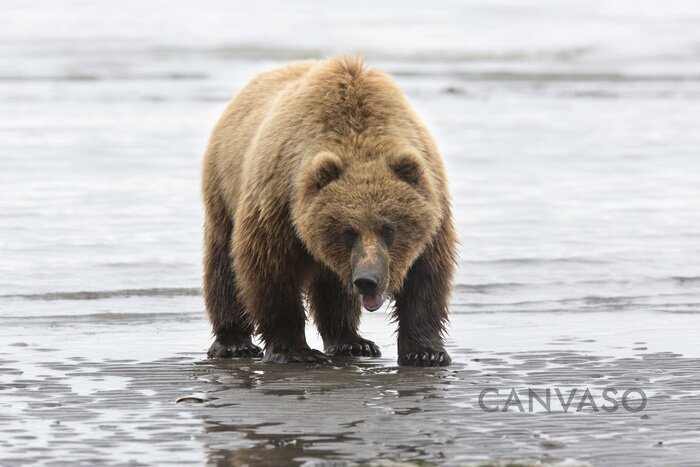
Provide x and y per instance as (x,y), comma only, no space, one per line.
(269,267)
(422,304)
(337,312)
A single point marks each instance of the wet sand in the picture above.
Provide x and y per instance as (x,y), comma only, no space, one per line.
(100,390)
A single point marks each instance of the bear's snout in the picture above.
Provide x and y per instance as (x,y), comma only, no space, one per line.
(366,282)
(369,272)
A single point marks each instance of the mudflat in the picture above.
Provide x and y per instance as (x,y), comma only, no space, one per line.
(103,389)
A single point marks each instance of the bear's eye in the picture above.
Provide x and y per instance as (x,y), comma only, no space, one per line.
(388,234)
(349,237)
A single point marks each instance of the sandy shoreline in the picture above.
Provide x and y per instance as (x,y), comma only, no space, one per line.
(99,390)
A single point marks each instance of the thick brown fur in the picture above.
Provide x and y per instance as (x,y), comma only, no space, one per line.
(302,156)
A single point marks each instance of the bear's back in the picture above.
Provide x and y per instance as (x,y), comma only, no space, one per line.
(235,131)
(287,114)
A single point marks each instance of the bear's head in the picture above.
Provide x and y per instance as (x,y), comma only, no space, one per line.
(367,220)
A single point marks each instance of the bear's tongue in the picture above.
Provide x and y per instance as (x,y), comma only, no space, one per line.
(372,302)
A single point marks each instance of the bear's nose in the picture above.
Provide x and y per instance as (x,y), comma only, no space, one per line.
(366,282)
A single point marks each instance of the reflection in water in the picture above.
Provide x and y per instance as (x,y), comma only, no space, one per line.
(363,410)
(268,448)
(290,414)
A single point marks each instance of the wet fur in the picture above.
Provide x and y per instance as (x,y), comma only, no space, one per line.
(302,152)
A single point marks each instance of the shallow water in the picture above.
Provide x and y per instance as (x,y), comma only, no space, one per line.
(570,135)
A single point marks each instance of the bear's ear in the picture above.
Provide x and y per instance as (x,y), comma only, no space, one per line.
(325,168)
(407,166)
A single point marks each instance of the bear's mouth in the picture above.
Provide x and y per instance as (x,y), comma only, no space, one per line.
(372,302)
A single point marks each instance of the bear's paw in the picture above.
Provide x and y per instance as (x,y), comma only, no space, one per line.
(425,358)
(245,349)
(304,355)
(358,348)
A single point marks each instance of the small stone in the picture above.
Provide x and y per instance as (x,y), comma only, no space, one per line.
(552,444)
(196,398)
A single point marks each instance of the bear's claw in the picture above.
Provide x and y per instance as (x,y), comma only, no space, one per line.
(236,350)
(361,348)
(295,356)
(427,358)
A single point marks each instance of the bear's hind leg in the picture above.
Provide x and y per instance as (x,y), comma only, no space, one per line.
(337,316)
(224,307)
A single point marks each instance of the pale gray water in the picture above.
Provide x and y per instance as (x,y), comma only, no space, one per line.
(569,129)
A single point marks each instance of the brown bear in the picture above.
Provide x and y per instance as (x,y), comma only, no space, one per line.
(320,181)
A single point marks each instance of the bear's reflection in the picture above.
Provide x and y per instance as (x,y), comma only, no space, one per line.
(262,414)
(267,448)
